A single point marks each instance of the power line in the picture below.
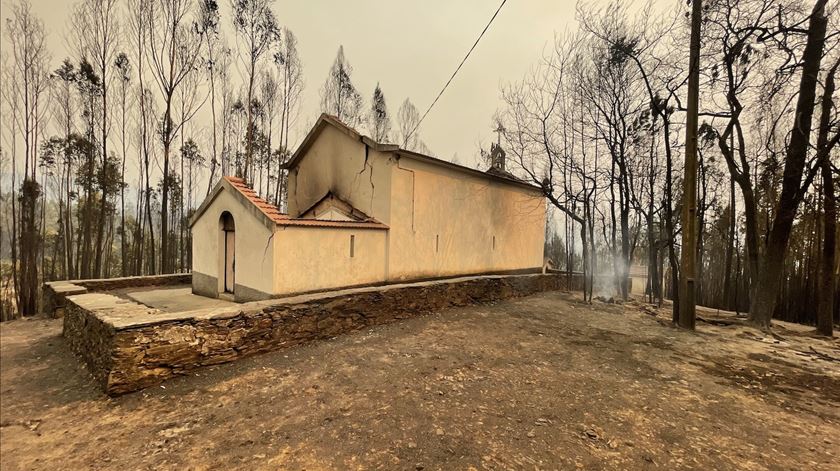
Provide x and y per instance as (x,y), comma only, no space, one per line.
(456,71)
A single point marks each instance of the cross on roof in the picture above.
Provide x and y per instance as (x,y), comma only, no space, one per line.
(499,131)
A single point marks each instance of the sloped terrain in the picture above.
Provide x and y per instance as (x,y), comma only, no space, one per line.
(542,382)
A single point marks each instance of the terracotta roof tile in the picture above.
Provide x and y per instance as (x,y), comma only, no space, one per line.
(281,219)
(269,210)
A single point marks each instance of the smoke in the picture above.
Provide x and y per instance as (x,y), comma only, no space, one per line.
(605,284)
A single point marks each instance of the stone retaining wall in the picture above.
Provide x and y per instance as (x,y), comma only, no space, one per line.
(126,356)
(55,292)
(91,338)
(91,327)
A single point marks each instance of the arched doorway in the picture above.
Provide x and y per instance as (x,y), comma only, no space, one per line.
(228,251)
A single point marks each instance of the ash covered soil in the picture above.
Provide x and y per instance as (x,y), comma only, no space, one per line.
(543,382)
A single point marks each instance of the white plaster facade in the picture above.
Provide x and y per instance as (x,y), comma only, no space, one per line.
(362,212)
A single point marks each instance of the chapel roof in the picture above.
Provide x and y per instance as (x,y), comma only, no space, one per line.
(271,214)
(329,120)
(269,210)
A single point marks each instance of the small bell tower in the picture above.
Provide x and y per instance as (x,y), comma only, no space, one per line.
(497,154)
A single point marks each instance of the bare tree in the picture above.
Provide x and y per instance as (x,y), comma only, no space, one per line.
(65,112)
(209,23)
(408,118)
(97,34)
(138,19)
(339,96)
(123,66)
(539,125)
(257,30)
(269,99)
(793,188)
(290,69)
(638,40)
(379,121)
(228,150)
(28,91)
(744,29)
(190,99)
(827,290)
(174,45)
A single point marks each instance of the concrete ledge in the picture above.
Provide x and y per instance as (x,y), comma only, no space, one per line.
(129,346)
(108,284)
(55,292)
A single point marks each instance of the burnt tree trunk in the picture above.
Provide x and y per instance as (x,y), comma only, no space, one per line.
(825,310)
(768,279)
(728,301)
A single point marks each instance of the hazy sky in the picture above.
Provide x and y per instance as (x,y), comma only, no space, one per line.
(410,48)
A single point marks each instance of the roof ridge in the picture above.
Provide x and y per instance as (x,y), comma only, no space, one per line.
(272,212)
(328,119)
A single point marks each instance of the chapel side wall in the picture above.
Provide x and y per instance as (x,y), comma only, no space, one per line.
(318,258)
(443,223)
(339,163)
(254,249)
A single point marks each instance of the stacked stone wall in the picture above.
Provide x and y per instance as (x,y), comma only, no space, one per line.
(92,339)
(135,357)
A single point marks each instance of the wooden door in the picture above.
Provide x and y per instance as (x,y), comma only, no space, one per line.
(230,260)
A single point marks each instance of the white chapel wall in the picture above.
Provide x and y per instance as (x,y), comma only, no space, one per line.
(254,247)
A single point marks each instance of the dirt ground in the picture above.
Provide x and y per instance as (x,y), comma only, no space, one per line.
(543,382)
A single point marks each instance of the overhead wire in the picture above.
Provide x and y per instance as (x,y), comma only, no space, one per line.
(446,85)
